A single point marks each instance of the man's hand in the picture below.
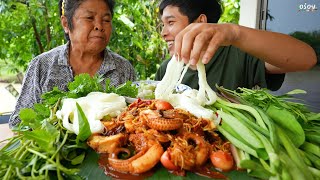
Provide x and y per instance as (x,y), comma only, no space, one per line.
(201,41)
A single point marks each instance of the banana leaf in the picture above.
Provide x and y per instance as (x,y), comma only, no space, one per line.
(90,170)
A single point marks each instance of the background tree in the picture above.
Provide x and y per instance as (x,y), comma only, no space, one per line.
(312,38)
(27,28)
(30,27)
(231,11)
(136,35)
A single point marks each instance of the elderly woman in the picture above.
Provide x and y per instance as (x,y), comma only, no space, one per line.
(87,25)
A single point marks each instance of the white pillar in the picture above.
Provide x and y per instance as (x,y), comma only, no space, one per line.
(250,11)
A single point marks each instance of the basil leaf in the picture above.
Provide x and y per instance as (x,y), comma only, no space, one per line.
(84,127)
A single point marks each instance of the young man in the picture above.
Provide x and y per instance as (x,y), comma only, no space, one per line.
(234,56)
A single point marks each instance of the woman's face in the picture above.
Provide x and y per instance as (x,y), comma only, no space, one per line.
(173,22)
(92,27)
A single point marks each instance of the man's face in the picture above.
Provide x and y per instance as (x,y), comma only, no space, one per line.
(173,22)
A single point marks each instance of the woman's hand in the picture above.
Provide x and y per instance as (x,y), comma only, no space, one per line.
(201,41)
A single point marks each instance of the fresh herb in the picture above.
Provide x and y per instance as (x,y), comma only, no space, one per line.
(289,133)
(288,122)
(263,99)
(53,96)
(42,146)
(83,84)
(127,89)
(37,147)
(84,127)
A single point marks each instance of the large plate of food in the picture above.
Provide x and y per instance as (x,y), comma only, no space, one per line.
(92,132)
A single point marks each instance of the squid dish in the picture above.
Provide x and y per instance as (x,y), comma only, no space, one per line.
(152,133)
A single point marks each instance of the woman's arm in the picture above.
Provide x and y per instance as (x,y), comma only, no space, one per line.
(30,94)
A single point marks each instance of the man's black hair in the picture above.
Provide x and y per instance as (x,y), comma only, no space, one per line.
(70,6)
(194,8)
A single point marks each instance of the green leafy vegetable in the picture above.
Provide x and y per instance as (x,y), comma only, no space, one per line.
(52,96)
(42,147)
(288,122)
(127,89)
(79,159)
(84,127)
(83,84)
(247,134)
(290,133)
(43,138)
(28,118)
(257,170)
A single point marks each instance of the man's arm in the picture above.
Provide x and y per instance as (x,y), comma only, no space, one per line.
(282,53)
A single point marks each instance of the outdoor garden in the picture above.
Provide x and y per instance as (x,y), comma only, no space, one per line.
(31,27)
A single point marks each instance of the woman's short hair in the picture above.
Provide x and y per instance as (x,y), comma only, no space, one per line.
(68,8)
(194,8)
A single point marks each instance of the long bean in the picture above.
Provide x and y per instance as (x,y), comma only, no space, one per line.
(311,148)
(288,122)
(294,154)
(238,143)
(315,172)
(272,129)
(243,118)
(247,108)
(246,133)
(294,172)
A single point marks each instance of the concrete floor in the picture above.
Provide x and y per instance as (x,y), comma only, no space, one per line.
(308,81)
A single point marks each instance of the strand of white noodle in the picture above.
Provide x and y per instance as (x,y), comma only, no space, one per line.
(173,77)
(192,103)
(190,100)
(206,95)
(185,69)
(166,86)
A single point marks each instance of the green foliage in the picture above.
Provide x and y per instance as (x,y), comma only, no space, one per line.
(83,84)
(30,27)
(41,146)
(84,126)
(27,28)
(231,11)
(127,89)
(311,38)
(136,35)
